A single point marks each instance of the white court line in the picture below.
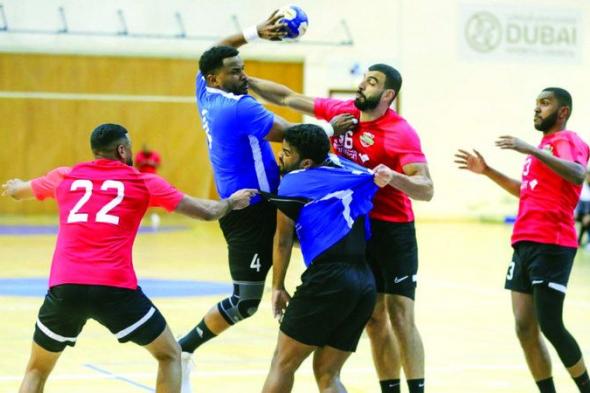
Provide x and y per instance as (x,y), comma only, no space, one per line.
(46,95)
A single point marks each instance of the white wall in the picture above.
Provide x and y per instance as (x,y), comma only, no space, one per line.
(454,101)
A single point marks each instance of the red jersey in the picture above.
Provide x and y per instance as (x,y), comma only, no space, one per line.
(101,204)
(388,140)
(147,162)
(547,201)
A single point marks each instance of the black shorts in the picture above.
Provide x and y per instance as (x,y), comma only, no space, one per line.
(127,313)
(332,305)
(249,235)
(392,253)
(539,264)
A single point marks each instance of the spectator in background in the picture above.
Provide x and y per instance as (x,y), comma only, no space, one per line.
(148,161)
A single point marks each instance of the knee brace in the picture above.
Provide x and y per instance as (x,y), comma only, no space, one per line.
(549,308)
(243,303)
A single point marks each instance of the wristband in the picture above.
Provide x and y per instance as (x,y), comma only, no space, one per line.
(251,33)
(328,129)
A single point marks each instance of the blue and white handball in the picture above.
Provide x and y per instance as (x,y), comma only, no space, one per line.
(295,20)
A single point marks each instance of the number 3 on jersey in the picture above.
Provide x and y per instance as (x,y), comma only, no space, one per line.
(102,215)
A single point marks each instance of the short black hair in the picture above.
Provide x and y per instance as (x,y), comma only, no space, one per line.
(564,98)
(310,141)
(393,79)
(212,59)
(106,137)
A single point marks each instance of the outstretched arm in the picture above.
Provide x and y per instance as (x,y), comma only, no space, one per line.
(569,170)
(283,244)
(17,189)
(278,94)
(415,180)
(209,210)
(477,164)
(270,30)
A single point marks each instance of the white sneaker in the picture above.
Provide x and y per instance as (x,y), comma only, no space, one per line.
(187,366)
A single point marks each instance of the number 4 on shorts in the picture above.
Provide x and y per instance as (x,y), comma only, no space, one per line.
(255,264)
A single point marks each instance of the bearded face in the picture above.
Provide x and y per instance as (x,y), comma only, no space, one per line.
(546,123)
(365,102)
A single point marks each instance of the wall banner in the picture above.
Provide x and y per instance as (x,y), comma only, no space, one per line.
(524,33)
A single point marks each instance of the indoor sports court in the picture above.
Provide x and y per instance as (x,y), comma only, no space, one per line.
(472,71)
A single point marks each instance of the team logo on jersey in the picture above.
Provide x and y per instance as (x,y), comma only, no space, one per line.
(367,139)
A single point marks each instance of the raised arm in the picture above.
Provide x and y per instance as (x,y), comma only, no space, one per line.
(415,180)
(569,170)
(270,30)
(283,244)
(18,189)
(209,210)
(477,164)
(278,94)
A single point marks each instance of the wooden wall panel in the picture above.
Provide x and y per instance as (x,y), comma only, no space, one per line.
(40,133)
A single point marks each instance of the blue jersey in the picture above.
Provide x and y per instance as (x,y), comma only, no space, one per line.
(236,126)
(335,198)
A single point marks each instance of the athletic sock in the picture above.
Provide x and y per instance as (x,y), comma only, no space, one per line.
(416,385)
(583,382)
(390,386)
(197,336)
(546,385)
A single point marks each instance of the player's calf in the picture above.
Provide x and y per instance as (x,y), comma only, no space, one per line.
(242,304)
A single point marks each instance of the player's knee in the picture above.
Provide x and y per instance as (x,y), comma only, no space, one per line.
(378,322)
(39,367)
(325,374)
(552,328)
(38,372)
(526,330)
(248,307)
(401,314)
(169,353)
(243,303)
(324,371)
(235,309)
(325,380)
(285,363)
(566,346)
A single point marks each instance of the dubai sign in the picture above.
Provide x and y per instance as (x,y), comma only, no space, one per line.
(493,32)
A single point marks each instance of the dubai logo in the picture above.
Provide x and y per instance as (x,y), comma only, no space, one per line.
(483,32)
(367,139)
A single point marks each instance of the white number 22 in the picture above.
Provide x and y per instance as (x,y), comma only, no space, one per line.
(102,215)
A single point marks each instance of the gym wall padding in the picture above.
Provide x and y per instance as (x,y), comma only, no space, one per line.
(49,104)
